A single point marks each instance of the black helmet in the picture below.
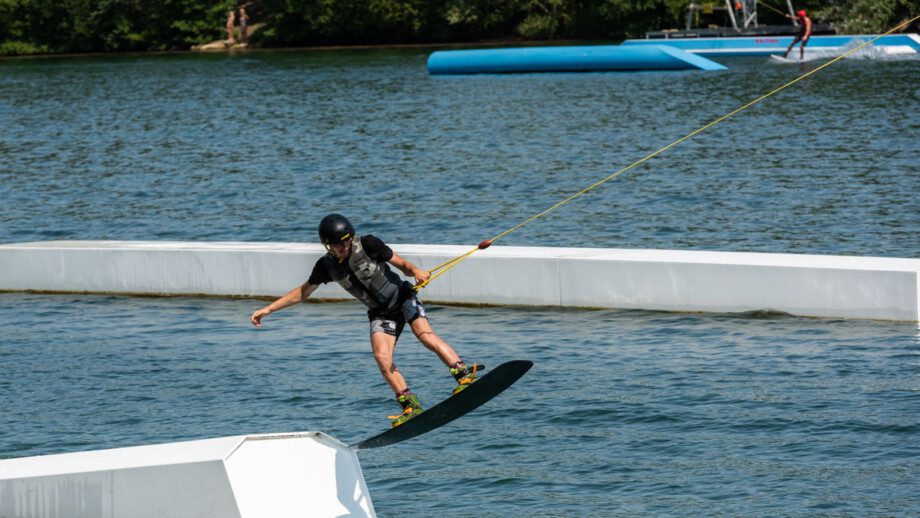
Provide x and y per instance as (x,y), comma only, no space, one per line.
(334,228)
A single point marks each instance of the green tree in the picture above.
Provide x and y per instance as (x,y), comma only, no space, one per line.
(107,25)
(867,16)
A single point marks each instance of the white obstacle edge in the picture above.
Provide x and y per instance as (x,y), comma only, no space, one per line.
(667,280)
(246,476)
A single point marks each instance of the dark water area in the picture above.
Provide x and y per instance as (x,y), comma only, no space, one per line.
(258,147)
(625,413)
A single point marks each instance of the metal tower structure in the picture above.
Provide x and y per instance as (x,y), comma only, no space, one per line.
(741,13)
(748,13)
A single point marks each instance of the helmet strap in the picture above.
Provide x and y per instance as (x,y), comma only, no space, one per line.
(329,251)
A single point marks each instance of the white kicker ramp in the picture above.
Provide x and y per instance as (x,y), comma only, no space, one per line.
(248,476)
(806,285)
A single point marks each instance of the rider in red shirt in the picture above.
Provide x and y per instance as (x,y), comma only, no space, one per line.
(803,35)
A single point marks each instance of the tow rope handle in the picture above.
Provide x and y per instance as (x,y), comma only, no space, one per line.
(486,243)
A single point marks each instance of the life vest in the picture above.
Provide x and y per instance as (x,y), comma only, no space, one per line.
(373,283)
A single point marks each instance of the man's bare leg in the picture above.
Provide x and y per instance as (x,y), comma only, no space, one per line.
(433,342)
(383,346)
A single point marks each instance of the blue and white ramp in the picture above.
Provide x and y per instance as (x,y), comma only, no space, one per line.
(566,59)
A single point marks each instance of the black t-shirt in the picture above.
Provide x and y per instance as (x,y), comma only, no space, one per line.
(373,247)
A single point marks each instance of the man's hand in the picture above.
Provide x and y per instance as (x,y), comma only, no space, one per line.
(298,294)
(420,275)
(257,315)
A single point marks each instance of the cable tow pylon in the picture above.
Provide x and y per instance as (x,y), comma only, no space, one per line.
(488,242)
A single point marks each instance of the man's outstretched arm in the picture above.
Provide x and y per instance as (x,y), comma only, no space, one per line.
(298,294)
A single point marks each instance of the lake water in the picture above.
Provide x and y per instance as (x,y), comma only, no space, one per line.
(258,147)
(625,413)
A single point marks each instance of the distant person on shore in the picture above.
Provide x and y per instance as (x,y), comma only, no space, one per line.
(803,35)
(231,20)
(244,26)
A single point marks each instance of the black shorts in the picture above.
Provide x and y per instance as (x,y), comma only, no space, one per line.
(393,322)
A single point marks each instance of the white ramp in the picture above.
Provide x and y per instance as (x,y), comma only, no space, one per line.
(265,476)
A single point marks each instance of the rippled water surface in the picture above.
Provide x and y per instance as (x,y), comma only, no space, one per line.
(625,413)
(258,147)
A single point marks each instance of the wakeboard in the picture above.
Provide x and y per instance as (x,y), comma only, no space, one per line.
(484,389)
(795,58)
(780,59)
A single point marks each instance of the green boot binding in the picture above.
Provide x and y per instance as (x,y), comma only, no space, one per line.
(410,405)
(464,376)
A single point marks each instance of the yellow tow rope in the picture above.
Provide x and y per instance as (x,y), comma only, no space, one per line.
(768,6)
(488,242)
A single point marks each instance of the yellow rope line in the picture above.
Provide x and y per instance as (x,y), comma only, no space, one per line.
(768,6)
(485,244)
(454,260)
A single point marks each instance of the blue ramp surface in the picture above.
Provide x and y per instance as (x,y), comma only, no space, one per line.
(566,59)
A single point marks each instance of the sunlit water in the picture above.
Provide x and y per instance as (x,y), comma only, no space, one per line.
(625,413)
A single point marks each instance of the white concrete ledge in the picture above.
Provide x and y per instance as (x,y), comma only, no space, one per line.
(805,285)
(270,476)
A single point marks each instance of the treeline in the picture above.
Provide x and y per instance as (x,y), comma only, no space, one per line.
(63,26)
